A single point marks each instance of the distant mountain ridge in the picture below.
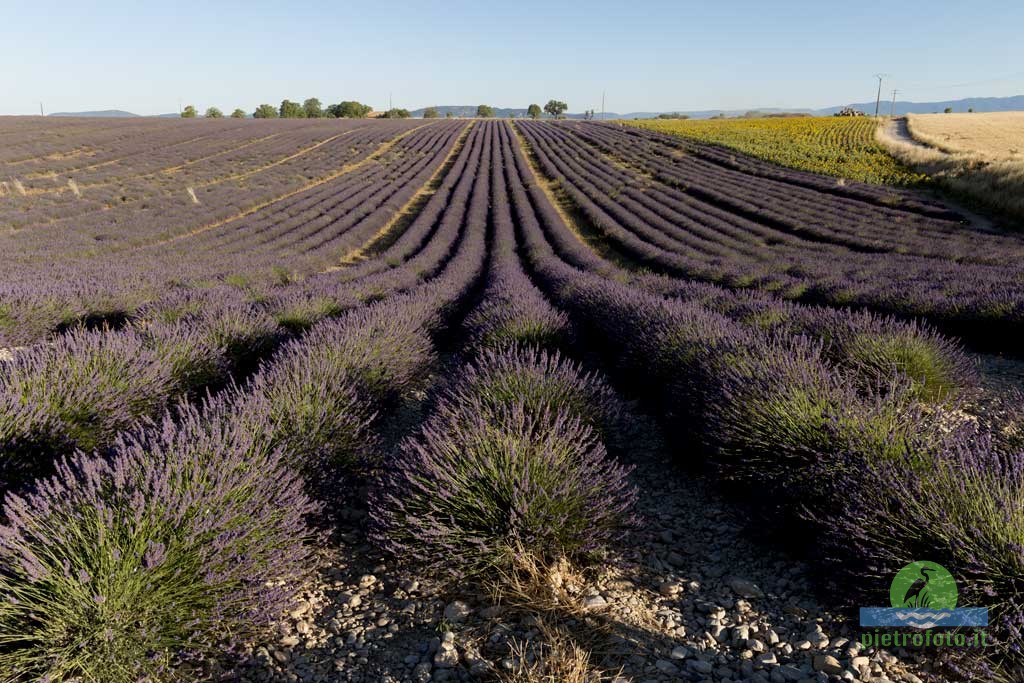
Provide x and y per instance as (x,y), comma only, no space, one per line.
(978,104)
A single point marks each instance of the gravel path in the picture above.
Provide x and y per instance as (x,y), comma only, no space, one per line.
(693,596)
(898,130)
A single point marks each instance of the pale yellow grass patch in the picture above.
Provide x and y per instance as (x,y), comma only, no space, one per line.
(73,186)
(192,195)
(996,135)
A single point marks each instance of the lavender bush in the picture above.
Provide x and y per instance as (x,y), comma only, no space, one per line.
(314,411)
(517,316)
(194,358)
(962,506)
(76,393)
(539,380)
(464,492)
(188,540)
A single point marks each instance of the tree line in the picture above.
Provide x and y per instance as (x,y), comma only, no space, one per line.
(310,109)
(350,109)
(553,108)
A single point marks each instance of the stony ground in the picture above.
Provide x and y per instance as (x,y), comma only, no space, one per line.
(692,596)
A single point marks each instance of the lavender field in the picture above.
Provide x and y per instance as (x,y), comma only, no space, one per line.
(410,400)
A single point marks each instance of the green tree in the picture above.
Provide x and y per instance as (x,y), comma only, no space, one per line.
(189,112)
(349,109)
(947,110)
(265,111)
(238,114)
(431,113)
(291,110)
(313,108)
(534,111)
(448,115)
(485,111)
(214,113)
(555,108)
(397,113)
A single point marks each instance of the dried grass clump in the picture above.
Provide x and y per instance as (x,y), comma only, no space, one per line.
(556,658)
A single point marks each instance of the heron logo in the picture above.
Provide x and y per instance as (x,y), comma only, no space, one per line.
(924,595)
(923,584)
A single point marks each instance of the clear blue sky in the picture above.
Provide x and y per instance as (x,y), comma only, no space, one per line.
(143,56)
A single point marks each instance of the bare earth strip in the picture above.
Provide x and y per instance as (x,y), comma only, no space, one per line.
(409,211)
(108,162)
(295,155)
(163,171)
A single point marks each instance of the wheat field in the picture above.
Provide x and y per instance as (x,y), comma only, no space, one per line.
(979,157)
(996,135)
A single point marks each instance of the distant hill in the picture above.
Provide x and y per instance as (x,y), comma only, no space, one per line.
(106,113)
(978,104)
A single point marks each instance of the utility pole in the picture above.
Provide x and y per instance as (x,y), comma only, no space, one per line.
(892,109)
(391,105)
(878,98)
(602,104)
(41,109)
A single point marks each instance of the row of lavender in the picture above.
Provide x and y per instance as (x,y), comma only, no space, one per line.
(846,419)
(511,466)
(697,224)
(141,209)
(300,234)
(881,222)
(884,195)
(73,187)
(86,387)
(33,144)
(190,536)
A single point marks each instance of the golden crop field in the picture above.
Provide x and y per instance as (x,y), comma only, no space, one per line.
(996,135)
(978,157)
(839,146)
